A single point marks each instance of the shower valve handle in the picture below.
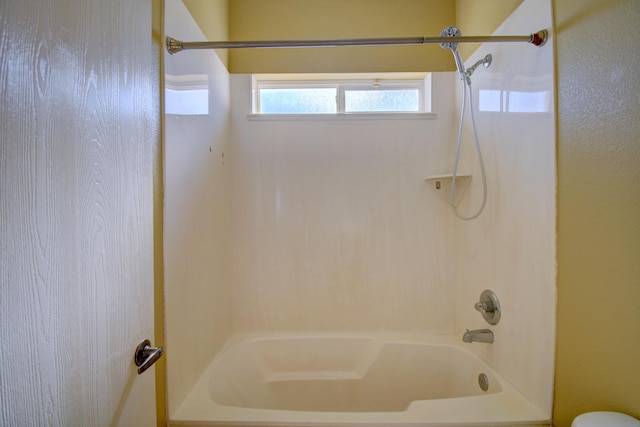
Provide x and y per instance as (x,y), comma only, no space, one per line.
(484,307)
(489,307)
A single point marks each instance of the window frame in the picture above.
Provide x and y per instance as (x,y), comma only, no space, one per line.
(344,83)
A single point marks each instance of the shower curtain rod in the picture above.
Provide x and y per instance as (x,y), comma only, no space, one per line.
(174,46)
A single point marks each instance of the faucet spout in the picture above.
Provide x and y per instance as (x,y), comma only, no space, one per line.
(478,335)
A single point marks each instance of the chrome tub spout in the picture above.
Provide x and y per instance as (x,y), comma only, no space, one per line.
(478,335)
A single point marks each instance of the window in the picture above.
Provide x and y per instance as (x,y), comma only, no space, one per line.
(289,99)
(341,94)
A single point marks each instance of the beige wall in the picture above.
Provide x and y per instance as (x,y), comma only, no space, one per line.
(598,345)
(476,18)
(327,19)
(212,16)
(313,19)
(157,22)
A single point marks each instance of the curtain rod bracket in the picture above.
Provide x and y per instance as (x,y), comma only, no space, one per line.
(174,46)
(540,38)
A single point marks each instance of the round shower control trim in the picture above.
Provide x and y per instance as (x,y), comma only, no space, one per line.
(489,306)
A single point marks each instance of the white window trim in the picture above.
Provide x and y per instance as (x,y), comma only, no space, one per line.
(343,116)
(344,82)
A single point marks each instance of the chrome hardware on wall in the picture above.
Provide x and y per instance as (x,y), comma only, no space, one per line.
(145,355)
(489,306)
(478,335)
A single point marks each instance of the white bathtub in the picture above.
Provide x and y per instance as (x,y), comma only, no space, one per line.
(338,380)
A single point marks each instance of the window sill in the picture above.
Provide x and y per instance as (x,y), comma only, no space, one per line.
(342,116)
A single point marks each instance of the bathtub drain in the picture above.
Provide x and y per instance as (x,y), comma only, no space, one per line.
(483,381)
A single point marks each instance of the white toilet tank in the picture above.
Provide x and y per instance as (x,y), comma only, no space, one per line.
(605,419)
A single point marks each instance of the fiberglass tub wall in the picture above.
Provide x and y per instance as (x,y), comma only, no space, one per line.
(196,208)
(510,248)
(334,226)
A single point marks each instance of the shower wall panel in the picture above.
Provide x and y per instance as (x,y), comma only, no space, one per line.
(334,226)
(510,248)
(197,207)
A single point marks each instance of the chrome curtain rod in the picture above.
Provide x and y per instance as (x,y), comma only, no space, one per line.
(175,46)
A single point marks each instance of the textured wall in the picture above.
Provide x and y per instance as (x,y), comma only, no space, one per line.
(78,126)
(598,346)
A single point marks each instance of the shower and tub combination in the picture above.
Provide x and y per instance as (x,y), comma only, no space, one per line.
(360,380)
(490,364)
(366,380)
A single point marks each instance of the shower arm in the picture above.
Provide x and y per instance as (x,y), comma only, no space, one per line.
(174,46)
(485,62)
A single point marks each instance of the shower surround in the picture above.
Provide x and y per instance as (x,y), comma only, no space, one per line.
(328,226)
(334,226)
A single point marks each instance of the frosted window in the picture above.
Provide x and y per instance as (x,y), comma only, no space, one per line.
(400,100)
(298,101)
(316,94)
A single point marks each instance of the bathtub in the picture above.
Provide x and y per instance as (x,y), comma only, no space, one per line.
(344,380)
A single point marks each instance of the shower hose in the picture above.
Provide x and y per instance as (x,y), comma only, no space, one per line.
(466,84)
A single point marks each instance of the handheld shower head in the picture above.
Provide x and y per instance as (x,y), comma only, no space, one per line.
(453,46)
(450,32)
(465,76)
